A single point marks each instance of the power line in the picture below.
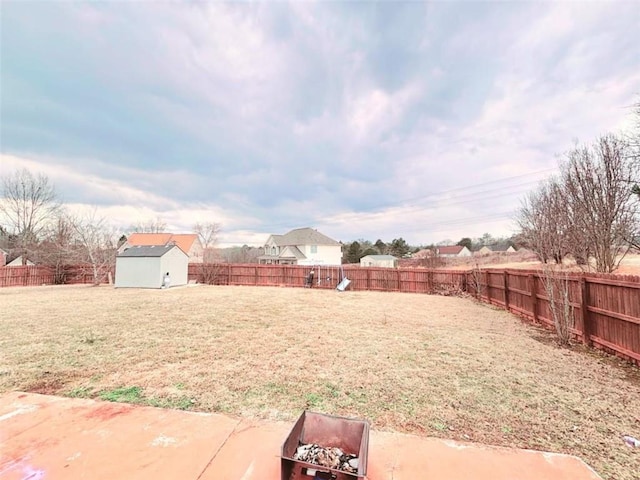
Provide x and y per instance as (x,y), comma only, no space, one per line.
(471,187)
(435,200)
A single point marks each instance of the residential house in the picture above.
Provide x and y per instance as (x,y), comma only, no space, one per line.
(424,253)
(385,261)
(453,251)
(301,246)
(187,242)
(503,248)
(18,262)
(488,249)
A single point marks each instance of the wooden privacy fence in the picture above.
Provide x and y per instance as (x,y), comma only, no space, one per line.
(604,309)
(370,278)
(34,275)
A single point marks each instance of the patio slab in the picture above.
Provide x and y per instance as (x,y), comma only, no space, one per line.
(45,437)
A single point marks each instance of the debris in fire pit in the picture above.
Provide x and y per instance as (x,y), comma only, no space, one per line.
(330,457)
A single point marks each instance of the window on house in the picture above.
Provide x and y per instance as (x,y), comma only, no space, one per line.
(314,249)
(273,250)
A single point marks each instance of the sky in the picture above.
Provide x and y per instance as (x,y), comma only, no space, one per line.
(420,120)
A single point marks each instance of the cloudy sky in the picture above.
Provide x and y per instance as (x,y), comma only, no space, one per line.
(361,119)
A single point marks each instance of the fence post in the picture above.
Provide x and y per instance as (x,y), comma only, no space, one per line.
(398,279)
(486,281)
(534,297)
(584,312)
(506,290)
(430,281)
(255,276)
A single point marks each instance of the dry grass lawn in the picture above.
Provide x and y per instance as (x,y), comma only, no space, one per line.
(629,265)
(437,366)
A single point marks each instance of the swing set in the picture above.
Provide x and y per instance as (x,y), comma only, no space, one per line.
(309,280)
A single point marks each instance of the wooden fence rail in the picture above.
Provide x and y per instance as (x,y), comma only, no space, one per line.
(605,308)
(34,275)
(371,278)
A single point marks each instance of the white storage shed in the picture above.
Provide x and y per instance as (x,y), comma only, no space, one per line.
(147,266)
(386,261)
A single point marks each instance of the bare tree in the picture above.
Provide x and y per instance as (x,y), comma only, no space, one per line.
(556,285)
(208,234)
(634,154)
(97,244)
(243,254)
(598,184)
(58,248)
(543,220)
(590,211)
(156,225)
(27,206)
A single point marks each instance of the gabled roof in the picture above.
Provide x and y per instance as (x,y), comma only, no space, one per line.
(147,251)
(17,262)
(303,236)
(424,253)
(381,257)
(498,248)
(183,240)
(292,250)
(450,249)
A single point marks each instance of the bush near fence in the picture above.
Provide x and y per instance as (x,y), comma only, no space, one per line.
(606,308)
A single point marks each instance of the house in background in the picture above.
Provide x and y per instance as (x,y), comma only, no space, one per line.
(503,248)
(18,262)
(453,251)
(488,249)
(301,246)
(146,266)
(385,261)
(187,242)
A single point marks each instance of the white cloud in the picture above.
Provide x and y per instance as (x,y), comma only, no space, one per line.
(374,112)
(263,116)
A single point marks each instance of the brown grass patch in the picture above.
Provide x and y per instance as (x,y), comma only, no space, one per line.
(432,365)
(630,264)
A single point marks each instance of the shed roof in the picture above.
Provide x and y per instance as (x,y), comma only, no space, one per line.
(450,249)
(381,257)
(147,251)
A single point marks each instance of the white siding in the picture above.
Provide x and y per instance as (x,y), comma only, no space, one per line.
(148,272)
(376,262)
(325,255)
(138,272)
(177,264)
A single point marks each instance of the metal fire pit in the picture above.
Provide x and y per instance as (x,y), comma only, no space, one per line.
(349,434)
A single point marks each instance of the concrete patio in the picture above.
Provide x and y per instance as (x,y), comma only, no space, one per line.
(46,437)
